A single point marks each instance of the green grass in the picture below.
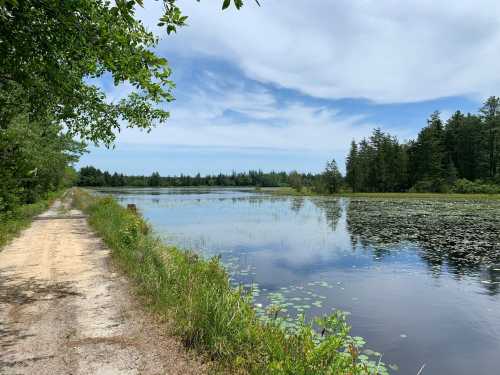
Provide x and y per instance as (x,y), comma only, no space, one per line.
(445,196)
(212,317)
(13,222)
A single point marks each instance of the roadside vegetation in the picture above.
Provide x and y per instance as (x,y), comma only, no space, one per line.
(211,316)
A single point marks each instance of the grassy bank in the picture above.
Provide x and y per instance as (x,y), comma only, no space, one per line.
(213,318)
(13,222)
(447,196)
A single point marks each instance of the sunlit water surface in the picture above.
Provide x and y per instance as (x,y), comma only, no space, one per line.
(397,266)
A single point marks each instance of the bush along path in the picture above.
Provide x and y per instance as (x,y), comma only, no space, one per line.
(212,317)
(65,310)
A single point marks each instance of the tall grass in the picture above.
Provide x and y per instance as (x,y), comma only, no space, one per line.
(407,195)
(212,317)
(12,222)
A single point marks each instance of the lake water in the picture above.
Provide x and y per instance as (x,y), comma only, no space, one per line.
(420,278)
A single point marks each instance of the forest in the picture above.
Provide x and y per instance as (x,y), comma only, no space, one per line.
(460,155)
(91,176)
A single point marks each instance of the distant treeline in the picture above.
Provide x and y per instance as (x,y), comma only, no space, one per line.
(461,155)
(90,176)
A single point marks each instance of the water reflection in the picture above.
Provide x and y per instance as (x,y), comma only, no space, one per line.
(332,209)
(458,237)
(420,278)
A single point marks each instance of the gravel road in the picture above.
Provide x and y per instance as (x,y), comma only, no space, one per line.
(65,310)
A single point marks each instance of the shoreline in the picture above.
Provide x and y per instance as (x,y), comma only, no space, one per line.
(213,318)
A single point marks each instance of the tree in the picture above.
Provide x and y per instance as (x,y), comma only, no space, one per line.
(154,180)
(428,155)
(490,114)
(466,147)
(332,177)
(451,173)
(352,167)
(296,180)
(377,164)
(51,53)
(53,50)
(34,155)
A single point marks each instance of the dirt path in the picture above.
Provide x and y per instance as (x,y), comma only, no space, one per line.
(63,309)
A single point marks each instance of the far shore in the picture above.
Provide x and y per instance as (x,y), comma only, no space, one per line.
(305,192)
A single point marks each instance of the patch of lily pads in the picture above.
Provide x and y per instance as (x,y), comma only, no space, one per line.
(462,235)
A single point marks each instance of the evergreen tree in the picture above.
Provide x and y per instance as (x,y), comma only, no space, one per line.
(490,114)
(154,180)
(352,168)
(332,177)
(428,155)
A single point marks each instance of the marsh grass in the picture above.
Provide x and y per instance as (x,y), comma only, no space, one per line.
(212,317)
(11,223)
(286,191)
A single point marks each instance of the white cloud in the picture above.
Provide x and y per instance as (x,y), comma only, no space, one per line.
(382,50)
(257,120)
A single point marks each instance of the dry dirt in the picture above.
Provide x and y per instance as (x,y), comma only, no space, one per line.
(65,310)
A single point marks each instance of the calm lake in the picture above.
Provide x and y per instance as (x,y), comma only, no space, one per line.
(420,278)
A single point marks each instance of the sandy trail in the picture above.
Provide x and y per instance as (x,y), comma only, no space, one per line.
(64,310)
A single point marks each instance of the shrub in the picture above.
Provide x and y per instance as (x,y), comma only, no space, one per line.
(438,185)
(465,186)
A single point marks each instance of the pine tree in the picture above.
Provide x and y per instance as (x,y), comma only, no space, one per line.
(332,177)
(490,114)
(352,168)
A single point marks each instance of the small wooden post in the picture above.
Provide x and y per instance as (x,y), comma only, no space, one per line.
(132,207)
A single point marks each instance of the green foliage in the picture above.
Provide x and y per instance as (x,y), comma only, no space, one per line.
(214,318)
(377,164)
(52,48)
(90,176)
(464,186)
(34,154)
(328,182)
(465,147)
(154,180)
(437,185)
(50,53)
(296,181)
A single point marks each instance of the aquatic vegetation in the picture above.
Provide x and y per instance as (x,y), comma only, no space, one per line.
(465,234)
(219,320)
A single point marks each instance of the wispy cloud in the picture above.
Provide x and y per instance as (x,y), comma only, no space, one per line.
(380,50)
(226,113)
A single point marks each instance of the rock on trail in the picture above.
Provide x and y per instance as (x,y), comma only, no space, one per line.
(64,310)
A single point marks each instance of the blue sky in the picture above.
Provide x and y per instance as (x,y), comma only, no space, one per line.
(284,88)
